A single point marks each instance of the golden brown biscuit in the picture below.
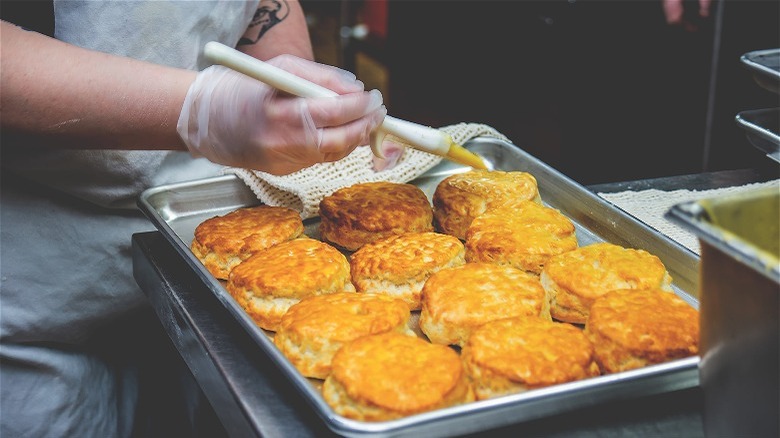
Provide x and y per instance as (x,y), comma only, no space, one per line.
(635,328)
(313,330)
(269,282)
(460,198)
(363,213)
(399,265)
(576,278)
(388,376)
(516,354)
(455,301)
(222,242)
(524,235)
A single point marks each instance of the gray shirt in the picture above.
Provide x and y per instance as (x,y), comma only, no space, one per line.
(66,221)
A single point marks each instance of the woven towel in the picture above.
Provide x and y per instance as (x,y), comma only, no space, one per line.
(650,207)
(303,190)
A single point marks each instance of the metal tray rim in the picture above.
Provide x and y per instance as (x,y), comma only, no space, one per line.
(765,75)
(749,59)
(760,136)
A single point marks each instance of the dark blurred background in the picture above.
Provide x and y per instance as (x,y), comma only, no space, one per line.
(601,90)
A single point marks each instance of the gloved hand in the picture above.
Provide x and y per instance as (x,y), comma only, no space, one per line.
(232,119)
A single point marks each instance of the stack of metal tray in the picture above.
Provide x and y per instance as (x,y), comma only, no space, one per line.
(765,67)
(762,126)
(176,210)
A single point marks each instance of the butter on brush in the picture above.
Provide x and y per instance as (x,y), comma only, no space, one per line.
(420,137)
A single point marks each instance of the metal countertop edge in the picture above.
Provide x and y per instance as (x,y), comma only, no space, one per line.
(700,181)
(166,281)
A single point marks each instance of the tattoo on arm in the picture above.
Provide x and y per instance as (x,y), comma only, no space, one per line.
(269,13)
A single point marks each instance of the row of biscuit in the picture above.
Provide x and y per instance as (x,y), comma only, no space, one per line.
(491,270)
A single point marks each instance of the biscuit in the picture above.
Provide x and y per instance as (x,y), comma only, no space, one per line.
(399,265)
(313,330)
(633,328)
(269,282)
(459,198)
(513,355)
(455,301)
(524,235)
(576,278)
(362,213)
(389,376)
(222,242)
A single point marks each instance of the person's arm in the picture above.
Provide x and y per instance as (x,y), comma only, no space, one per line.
(58,95)
(64,96)
(278,27)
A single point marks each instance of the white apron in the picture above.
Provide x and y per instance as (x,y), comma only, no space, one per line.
(66,221)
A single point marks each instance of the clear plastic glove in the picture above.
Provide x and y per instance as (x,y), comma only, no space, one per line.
(232,119)
(392,152)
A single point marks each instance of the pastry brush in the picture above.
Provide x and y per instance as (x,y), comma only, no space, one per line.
(420,137)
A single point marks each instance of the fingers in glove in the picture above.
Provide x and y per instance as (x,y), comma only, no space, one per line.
(323,111)
(392,152)
(333,78)
(311,131)
(338,110)
(343,139)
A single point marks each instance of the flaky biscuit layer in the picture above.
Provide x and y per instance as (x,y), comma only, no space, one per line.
(362,213)
(524,235)
(388,376)
(576,278)
(460,198)
(222,242)
(635,328)
(399,265)
(312,330)
(455,301)
(516,354)
(269,282)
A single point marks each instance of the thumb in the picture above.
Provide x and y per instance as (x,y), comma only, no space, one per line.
(392,152)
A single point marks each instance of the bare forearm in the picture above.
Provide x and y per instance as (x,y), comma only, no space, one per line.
(278,27)
(66,96)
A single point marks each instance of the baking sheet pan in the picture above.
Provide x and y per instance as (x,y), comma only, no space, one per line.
(176,210)
(765,67)
(762,128)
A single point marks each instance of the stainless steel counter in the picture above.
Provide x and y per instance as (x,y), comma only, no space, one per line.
(698,181)
(252,397)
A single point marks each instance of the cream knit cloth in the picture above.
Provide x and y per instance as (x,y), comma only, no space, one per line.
(303,190)
(650,207)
